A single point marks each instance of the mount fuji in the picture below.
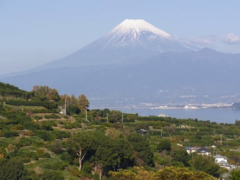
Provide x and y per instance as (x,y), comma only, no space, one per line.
(136,60)
(129,40)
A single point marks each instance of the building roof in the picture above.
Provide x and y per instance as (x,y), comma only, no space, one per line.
(192,148)
(203,150)
(219,156)
(141,131)
(223,163)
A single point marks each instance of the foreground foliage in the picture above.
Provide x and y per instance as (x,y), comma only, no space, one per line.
(38,142)
(12,169)
(173,173)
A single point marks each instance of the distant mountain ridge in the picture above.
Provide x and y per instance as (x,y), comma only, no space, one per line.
(236,106)
(162,78)
(139,61)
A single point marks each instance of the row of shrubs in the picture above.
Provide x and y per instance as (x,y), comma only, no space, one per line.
(27,156)
(48,105)
(8,134)
(52,116)
(51,135)
(47,135)
(44,111)
(24,103)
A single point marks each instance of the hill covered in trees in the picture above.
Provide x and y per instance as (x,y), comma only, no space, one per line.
(39,142)
(7,90)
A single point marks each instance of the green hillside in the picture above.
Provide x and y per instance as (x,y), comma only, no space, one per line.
(7,90)
(40,143)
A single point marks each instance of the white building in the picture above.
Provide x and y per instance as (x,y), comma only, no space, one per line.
(198,150)
(222,162)
(219,158)
(191,149)
(204,152)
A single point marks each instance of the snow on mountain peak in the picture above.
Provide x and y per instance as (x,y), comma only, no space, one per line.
(139,35)
(136,27)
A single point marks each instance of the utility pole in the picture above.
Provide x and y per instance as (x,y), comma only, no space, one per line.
(65,113)
(107,117)
(86,116)
(221,140)
(161,132)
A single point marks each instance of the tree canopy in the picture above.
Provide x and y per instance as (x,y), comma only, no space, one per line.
(168,173)
(12,169)
(164,145)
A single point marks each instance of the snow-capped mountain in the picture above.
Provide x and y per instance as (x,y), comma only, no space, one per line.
(138,33)
(132,33)
(129,40)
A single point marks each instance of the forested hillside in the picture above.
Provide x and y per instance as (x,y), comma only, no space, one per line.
(41,143)
(7,90)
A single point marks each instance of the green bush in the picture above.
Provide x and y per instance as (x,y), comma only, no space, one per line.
(55,166)
(26,155)
(13,91)
(2,134)
(44,111)
(45,135)
(72,125)
(24,103)
(37,117)
(57,146)
(52,116)
(1,105)
(52,175)
(164,145)
(9,134)
(12,169)
(25,142)
(61,134)
(66,157)
(46,155)
(47,125)
(31,126)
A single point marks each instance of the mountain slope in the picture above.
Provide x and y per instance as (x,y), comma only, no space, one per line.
(128,40)
(163,78)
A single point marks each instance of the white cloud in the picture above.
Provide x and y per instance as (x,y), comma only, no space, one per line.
(231,39)
(201,41)
(205,40)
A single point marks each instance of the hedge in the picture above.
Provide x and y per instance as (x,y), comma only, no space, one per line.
(24,103)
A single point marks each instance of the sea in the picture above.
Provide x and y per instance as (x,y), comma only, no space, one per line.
(219,115)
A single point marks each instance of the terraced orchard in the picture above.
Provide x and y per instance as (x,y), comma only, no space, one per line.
(44,135)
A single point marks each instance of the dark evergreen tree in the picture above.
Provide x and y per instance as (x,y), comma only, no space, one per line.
(12,169)
(164,145)
(141,145)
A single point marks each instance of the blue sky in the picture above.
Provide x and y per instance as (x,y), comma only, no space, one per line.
(33,32)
